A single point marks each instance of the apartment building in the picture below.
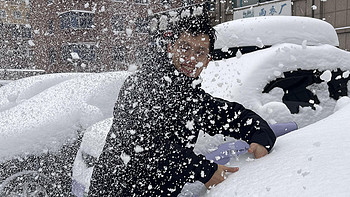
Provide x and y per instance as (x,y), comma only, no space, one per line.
(336,12)
(75,35)
(92,35)
(103,35)
(89,35)
(16,34)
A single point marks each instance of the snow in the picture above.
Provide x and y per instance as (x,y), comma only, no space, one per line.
(312,161)
(271,30)
(22,70)
(243,79)
(82,11)
(128,31)
(41,113)
(92,144)
(326,75)
(31,43)
(75,55)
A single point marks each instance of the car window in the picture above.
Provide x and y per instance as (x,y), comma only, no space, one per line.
(296,93)
(219,54)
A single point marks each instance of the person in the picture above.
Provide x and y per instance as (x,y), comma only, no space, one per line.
(157,117)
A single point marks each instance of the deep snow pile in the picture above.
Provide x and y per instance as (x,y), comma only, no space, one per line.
(242,79)
(40,113)
(271,30)
(312,161)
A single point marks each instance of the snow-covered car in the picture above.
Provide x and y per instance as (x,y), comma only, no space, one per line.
(295,72)
(287,69)
(42,121)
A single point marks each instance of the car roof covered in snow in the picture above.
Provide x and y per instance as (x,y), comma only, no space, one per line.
(42,113)
(270,30)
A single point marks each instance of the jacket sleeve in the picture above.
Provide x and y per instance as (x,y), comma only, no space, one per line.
(232,119)
(183,166)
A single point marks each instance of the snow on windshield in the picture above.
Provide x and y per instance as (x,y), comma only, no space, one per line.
(243,79)
(272,30)
(38,114)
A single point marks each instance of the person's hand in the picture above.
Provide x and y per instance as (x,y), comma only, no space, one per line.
(219,175)
(258,150)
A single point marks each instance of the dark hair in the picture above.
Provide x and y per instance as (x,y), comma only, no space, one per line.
(167,27)
(195,25)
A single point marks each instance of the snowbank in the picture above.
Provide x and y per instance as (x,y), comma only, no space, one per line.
(312,161)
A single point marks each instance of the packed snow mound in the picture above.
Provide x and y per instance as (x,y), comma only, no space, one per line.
(39,114)
(92,145)
(271,30)
(312,161)
(243,79)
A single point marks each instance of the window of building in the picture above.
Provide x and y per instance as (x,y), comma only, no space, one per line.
(141,1)
(65,20)
(26,32)
(84,52)
(187,2)
(3,14)
(19,31)
(119,54)
(118,23)
(166,2)
(76,20)
(16,31)
(17,14)
(212,5)
(50,26)
(240,3)
(29,54)
(141,25)
(52,56)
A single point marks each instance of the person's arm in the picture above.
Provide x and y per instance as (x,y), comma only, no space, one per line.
(232,119)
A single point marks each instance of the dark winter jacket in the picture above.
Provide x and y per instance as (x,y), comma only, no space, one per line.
(157,118)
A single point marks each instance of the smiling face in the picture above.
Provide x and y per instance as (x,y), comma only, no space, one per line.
(190,54)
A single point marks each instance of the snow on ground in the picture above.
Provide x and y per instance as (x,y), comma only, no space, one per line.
(39,114)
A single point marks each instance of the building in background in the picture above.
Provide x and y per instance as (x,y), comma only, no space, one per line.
(336,12)
(90,35)
(16,46)
(93,35)
(108,35)
(79,35)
